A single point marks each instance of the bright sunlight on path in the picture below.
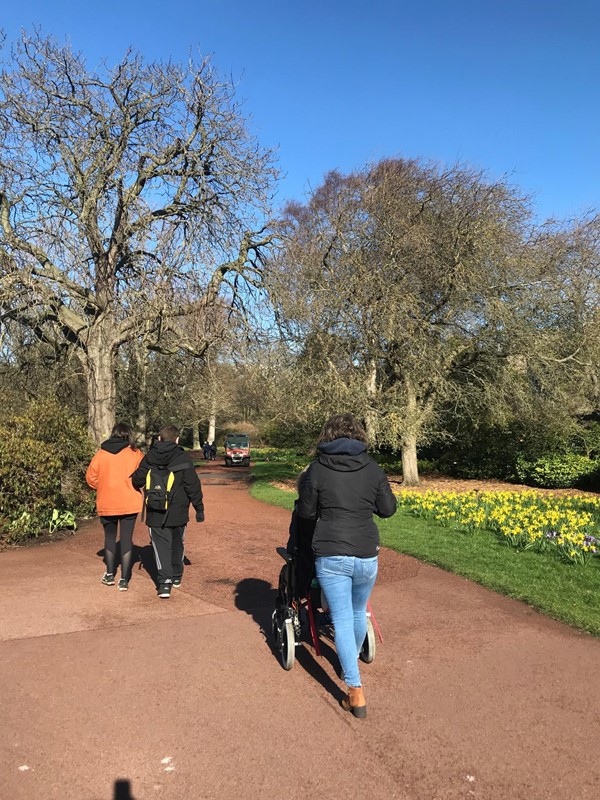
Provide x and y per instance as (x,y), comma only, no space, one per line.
(471,695)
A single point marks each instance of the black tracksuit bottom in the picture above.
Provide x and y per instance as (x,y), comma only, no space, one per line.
(168,551)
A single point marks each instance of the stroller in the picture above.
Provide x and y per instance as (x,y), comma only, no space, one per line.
(300,604)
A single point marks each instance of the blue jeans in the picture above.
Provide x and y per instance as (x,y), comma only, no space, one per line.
(347,582)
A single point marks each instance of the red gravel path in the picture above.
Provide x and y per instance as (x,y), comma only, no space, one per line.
(472,695)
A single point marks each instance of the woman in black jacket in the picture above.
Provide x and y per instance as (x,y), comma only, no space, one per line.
(342,489)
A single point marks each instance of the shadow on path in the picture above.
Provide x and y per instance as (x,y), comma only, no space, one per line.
(143,558)
(122,790)
(256,597)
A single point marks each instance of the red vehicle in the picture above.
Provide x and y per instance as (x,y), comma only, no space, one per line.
(237,449)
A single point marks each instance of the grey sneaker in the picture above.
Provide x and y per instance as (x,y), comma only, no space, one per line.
(176,583)
(108,579)
(123,585)
(164,590)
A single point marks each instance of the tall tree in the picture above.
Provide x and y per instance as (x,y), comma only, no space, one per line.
(131,198)
(397,270)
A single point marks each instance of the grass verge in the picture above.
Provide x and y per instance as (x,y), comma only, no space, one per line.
(566,592)
(264,491)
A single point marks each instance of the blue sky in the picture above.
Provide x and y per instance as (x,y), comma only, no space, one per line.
(511,86)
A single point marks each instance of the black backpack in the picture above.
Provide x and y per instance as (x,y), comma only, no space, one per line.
(159,487)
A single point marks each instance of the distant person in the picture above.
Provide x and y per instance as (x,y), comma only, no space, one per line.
(117,502)
(342,489)
(206,450)
(171,484)
(213,451)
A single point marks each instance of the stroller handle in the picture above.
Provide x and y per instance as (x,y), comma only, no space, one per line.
(284,554)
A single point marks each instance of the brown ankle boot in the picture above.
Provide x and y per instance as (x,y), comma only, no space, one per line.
(355,702)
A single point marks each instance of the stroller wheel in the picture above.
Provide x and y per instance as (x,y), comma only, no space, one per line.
(367,652)
(287,644)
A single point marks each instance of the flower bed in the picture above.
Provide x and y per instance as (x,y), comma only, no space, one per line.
(569,525)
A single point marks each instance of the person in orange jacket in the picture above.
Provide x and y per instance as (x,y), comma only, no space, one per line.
(117,502)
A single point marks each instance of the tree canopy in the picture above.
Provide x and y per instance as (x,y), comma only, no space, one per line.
(398,280)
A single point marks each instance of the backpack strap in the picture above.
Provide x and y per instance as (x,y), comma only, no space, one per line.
(180,467)
(146,487)
(172,470)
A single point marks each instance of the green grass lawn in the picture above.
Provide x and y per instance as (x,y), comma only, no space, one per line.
(564,591)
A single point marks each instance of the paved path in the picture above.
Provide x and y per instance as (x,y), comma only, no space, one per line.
(108,696)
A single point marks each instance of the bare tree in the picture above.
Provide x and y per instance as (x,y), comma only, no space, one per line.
(132,201)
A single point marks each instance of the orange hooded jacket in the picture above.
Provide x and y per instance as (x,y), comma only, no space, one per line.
(109,473)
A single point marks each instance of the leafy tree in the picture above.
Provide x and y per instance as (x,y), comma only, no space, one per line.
(392,274)
(528,388)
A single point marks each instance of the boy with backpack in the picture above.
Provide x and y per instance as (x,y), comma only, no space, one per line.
(170,484)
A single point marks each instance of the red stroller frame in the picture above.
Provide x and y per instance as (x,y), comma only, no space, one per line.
(366,649)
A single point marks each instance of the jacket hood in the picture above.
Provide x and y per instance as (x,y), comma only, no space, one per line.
(163,453)
(343,455)
(114,445)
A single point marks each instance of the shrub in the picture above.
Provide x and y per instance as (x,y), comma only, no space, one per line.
(299,436)
(388,461)
(556,471)
(491,450)
(486,453)
(44,452)
(428,466)
(586,438)
(276,454)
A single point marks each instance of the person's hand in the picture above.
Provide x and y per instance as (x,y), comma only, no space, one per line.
(199,516)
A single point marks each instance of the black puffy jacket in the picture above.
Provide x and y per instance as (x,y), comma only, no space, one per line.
(342,489)
(186,486)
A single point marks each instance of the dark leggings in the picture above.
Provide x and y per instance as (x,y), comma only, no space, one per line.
(126,524)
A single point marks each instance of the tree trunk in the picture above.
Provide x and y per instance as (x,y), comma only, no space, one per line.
(212,422)
(196,436)
(141,421)
(371,416)
(410,468)
(99,366)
